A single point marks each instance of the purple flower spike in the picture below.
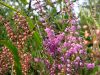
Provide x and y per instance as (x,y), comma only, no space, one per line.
(50,33)
(73,28)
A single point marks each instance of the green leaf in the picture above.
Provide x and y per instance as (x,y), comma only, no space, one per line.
(66,16)
(24,1)
(8,6)
(14,51)
(30,23)
(37,38)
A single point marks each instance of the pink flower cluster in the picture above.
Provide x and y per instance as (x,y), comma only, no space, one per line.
(67,51)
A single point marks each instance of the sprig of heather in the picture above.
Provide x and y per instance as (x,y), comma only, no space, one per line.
(53,41)
(66,49)
(68,53)
(19,41)
(6,60)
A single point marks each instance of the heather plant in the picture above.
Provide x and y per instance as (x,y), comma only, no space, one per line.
(66,50)
(18,40)
(47,40)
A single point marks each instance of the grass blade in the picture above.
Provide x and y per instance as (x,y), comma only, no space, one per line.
(8,6)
